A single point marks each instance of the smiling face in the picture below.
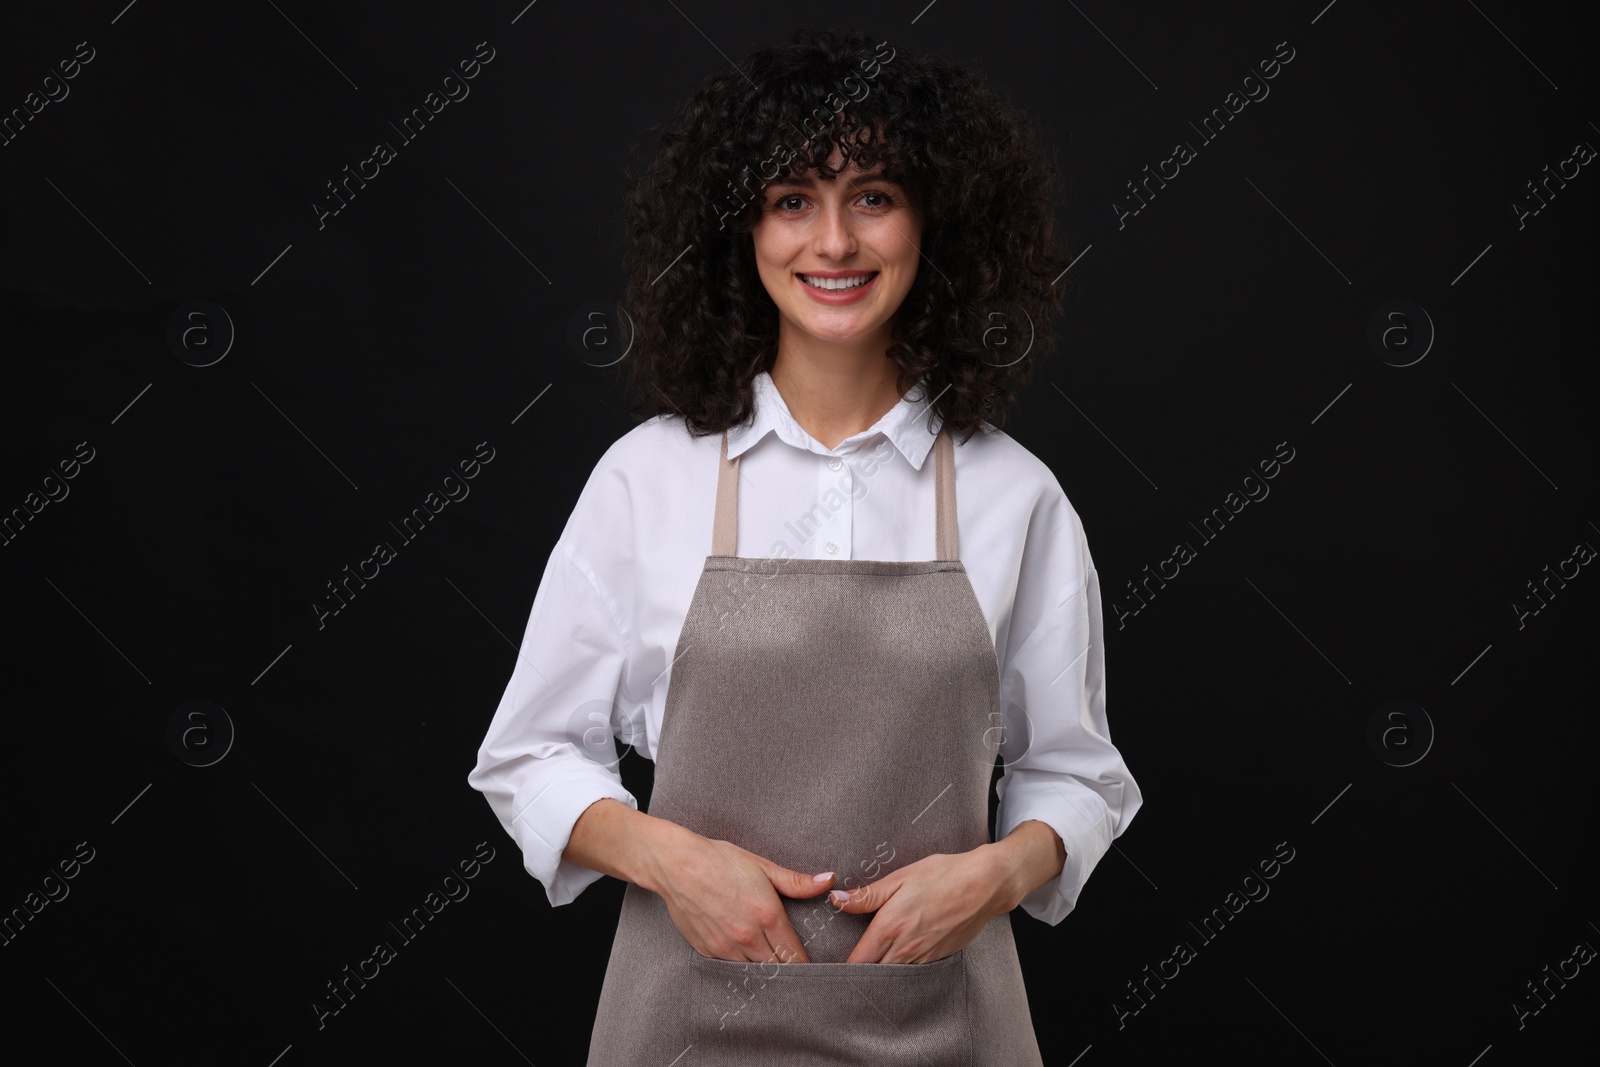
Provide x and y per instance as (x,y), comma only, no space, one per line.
(837,254)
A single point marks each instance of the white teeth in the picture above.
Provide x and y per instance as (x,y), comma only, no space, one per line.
(836,283)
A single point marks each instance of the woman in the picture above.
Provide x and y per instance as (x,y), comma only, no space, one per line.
(825,241)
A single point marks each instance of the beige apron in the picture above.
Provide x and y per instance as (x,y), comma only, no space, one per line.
(830,715)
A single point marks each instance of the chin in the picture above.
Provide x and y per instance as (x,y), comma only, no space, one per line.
(842,336)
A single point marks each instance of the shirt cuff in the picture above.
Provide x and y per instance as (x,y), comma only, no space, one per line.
(1084,822)
(544,814)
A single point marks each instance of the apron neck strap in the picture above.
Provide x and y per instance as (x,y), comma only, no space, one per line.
(725,521)
(944,495)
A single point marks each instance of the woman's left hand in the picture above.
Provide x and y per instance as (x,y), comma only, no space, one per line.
(931,908)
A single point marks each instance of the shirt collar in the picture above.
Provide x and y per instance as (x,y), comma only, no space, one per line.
(905,425)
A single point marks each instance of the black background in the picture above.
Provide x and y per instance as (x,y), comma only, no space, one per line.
(373,354)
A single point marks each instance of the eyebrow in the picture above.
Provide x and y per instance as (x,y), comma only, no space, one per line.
(810,182)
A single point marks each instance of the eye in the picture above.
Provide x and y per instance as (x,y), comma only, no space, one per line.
(884,199)
(782,201)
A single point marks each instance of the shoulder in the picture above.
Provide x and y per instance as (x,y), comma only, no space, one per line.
(660,453)
(642,474)
(656,446)
(1006,467)
(1020,492)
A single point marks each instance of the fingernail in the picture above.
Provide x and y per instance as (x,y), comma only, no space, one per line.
(839,897)
(823,877)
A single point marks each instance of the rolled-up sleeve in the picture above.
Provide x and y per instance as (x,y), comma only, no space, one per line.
(550,750)
(1060,765)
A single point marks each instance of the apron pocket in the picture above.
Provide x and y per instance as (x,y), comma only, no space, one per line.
(882,1014)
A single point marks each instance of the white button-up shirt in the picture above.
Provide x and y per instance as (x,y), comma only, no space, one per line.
(596,658)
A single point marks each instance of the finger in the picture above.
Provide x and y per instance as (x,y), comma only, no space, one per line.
(788,952)
(872,948)
(881,948)
(786,945)
(867,898)
(795,884)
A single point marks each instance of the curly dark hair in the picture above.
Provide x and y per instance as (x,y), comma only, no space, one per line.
(705,324)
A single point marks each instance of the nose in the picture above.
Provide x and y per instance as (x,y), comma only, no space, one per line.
(835,231)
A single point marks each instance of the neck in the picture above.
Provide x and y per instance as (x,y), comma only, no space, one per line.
(834,393)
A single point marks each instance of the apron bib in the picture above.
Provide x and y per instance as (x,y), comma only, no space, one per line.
(829,715)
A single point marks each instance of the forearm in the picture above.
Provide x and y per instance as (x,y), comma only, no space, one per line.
(1030,855)
(615,839)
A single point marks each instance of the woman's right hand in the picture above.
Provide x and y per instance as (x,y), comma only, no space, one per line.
(724,899)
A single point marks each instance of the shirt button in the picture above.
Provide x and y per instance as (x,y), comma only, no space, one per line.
(835,463)
(831,547)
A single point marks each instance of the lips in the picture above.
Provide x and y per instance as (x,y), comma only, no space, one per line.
(837,281)
(854,294)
